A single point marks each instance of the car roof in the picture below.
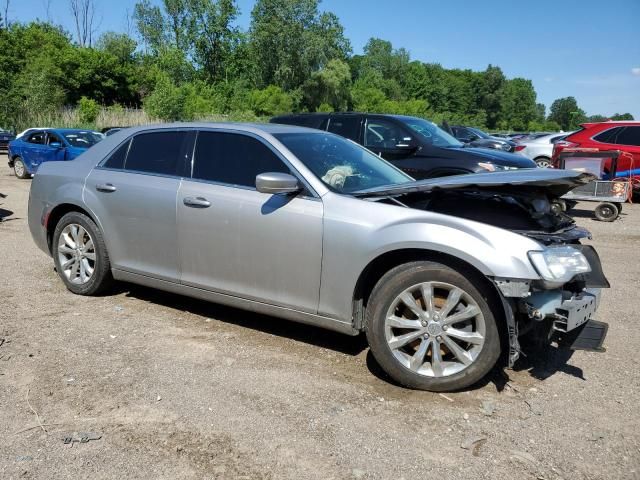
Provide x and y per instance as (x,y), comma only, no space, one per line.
(610,122)
(270,128)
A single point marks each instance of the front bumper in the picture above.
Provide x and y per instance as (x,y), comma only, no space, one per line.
(567,310)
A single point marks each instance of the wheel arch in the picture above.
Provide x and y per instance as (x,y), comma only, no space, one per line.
(57,213)
(380,265)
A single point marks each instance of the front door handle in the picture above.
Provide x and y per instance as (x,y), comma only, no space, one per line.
(196,202)
(105,187)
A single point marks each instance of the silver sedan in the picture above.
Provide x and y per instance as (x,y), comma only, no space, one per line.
(305,225)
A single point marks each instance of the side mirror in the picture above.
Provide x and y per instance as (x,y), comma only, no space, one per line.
(275,182)
(55,145)
(406,143)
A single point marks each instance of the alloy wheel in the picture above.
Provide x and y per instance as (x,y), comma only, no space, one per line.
(18,168)
(435,329)
(76,254)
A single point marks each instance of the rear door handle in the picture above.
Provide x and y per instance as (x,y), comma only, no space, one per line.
(196,202)
(105,187)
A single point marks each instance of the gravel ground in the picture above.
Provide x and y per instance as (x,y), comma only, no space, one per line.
(179,388)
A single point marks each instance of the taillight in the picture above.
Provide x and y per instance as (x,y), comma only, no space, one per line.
(562,144)
(519,148)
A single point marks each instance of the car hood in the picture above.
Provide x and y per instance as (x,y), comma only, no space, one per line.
(554,182)
(499,157)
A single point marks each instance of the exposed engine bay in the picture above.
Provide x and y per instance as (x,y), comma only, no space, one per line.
(528,213)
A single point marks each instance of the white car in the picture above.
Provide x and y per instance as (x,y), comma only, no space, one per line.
(540,149)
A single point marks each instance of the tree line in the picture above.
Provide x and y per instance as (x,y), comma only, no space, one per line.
(188,59)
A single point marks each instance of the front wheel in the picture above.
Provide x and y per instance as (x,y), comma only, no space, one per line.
(430,328)
(19,169)
(607,212)
(80,255)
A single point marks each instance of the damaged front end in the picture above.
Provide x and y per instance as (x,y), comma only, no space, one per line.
(560,304)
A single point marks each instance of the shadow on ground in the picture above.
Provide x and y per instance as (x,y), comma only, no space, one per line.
(541,362)
(309,334)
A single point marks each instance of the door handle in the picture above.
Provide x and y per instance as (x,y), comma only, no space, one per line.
(105,187)
(196,202)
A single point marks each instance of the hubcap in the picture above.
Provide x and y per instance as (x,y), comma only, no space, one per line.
(543,163)
(435,329)
(76,254)
(19,168)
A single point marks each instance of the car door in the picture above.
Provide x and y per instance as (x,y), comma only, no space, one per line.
(628,141)
(133,195)
(54,149)
(33,150)
(238,241)
(387,138)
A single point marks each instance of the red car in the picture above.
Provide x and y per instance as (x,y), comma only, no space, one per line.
(612,135)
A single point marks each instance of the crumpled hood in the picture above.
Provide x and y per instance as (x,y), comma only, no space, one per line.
(555,182)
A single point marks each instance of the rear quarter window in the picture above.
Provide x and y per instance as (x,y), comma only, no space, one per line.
(608,136)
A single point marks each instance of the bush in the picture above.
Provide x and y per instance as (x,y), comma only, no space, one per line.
(88,110)
(270,101)
(166,101)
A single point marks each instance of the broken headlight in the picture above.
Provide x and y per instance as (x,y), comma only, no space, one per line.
(558,265)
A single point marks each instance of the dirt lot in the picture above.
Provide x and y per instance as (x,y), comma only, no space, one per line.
(179,388)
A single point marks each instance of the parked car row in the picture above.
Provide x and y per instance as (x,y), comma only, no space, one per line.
(35,146)
(442,275)
(415,145)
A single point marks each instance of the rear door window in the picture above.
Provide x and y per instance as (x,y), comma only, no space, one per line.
(629,136)
(233,158)
(161,153)
(347,126)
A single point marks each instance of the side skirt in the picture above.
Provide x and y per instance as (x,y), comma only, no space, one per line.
(237,302)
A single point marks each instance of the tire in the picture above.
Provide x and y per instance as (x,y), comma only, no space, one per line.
(444,370)
(86,271)
(19,169)
(606,212)
(542,162)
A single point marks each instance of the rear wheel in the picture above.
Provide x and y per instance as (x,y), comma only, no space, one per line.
(607,212)
(19,168)
(431,328)
(543,162)
(80,255)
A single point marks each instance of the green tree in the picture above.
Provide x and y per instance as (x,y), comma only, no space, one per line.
(518,105)
(329,86)
(622,116)
(290,40)
(88,109)
(566,113)
(270,101)
(166,101)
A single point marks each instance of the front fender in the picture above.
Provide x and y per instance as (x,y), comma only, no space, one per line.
(356,232)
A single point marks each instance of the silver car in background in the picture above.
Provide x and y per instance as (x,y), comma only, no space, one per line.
(540,149)
(442,275)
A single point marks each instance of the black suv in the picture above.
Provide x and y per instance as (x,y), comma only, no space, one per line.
(417,146)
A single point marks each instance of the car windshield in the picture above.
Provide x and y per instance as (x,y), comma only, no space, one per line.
(82,139)
(430,132)
(480,133)
(344,166)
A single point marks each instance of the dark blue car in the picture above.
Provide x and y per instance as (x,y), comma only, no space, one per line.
(36,146)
